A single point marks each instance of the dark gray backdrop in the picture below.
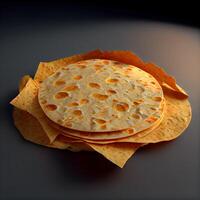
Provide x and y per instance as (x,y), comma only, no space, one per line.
(163,171)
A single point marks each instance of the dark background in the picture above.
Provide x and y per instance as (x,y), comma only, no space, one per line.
(182,12)
(166,32)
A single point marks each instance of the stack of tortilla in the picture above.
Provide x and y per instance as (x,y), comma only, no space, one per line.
(106,101)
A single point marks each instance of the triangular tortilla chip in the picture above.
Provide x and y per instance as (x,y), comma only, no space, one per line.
(117,153)
(29,127)
(23,82)
(31,130)
(129,58)
(27,100)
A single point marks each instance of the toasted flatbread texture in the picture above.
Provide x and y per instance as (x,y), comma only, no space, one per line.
(173,124)
(31,129)
(100,96)
(110,137)
(92,138)
(23,82)
(27,100)
(117,153)
(127,57)
(175,120)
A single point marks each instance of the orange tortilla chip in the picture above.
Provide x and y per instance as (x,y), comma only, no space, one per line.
(117,153)
(129,58)
(31,130)
(163,77)
(27,100)
(29,127)
(23,82)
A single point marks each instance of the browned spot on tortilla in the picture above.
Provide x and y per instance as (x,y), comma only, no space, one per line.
(43,101)
(59,82)
(94,85)
(103,127)
(72,104)
(121,106)
(151,119)
(138,102)
(136,116)
(71,88)
(84,101)
(97,67)
(61,95)
(157,99)
(100,121)
(77,112)
(51,107)
(106,62)
(112,80)
(111,91)
(78,77)
(100,96)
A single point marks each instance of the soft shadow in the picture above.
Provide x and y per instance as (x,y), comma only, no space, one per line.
(81,166)
(84,166)
(155,147)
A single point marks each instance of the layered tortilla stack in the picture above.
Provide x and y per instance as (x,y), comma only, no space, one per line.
(110,102)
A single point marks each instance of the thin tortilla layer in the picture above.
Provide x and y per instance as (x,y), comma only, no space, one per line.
(45,69)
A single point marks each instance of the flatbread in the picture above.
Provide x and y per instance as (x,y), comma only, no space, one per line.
(95,138)
(45,69)
(31,130)
(27,100)
(100,96)
(110,137)
(176,119)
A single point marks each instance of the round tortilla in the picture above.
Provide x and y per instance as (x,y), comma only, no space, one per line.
(176,119)
(101,96)
(109,137)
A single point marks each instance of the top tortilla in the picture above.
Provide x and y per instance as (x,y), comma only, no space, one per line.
(100,96)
